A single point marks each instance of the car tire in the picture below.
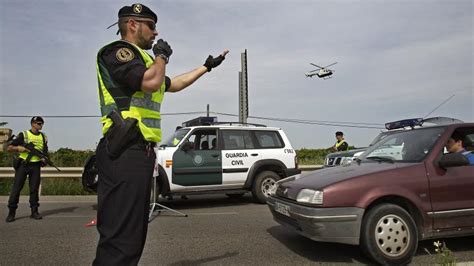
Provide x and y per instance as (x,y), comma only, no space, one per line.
(263,184)
(389,235)
(235,195)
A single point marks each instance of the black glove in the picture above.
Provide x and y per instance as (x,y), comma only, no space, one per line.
(162,49)
(212,62)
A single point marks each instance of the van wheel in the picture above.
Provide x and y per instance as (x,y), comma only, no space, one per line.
(389,235)
(264,185)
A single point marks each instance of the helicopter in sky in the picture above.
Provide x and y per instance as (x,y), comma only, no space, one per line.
(321,72)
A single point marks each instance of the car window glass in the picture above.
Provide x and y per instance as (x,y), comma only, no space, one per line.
(467,139)
(268,139)
(202,139)
(237,139)
(174,140)
(406,146)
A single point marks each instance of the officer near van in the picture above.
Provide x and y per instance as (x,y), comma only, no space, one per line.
(341,144)
(27,165)
(132,84)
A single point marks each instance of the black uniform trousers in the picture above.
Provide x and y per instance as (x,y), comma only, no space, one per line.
(123,192)
(32,170)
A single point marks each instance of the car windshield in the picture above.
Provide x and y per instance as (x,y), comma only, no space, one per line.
(175,138)
(404,146)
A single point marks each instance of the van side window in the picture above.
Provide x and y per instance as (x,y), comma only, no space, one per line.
(269,139)
(202,138)
(237,140)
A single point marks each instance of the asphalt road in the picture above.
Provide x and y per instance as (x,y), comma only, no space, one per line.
(217,231)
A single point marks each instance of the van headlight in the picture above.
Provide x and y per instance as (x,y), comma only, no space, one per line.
(346,160)
(310,196)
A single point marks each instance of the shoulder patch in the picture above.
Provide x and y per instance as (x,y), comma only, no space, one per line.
(124,55)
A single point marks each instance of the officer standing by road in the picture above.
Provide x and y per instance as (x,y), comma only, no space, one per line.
(341,144)
(132,82)
(27,165)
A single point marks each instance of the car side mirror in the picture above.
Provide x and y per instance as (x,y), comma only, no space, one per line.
(453,160)
(187,146)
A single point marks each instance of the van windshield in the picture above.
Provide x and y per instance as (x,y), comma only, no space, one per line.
(405,146)
(176,138)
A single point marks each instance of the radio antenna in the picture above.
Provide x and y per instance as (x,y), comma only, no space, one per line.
(445,101)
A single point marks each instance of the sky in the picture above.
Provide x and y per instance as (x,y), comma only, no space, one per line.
(395,59)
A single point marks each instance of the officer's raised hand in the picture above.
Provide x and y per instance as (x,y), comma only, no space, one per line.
(212,62)
(162,49)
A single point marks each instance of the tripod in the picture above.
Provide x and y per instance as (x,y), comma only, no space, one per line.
(156,207)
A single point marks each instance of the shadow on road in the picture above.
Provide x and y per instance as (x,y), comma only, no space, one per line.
(318,251)
(458,244)
(205,260)
(56,211)
(205,201)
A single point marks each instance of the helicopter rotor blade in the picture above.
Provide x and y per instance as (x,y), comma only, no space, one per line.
(315,65)
(330,65)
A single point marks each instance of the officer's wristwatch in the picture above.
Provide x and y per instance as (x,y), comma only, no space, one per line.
(164,57)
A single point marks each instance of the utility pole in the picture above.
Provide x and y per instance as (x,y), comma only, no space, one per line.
(243,90)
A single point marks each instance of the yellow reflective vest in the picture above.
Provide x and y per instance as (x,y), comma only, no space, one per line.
(145,107)
(37,140)
(338,144)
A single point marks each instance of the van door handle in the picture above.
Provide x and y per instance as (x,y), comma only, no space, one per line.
(215,155)
(254,154)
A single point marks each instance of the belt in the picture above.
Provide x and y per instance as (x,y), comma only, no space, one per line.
(148,144)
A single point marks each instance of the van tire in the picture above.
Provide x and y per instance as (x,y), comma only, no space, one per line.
(389,235)
(263,184)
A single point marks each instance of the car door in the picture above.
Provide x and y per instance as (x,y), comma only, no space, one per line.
(195,163)
(452,193)
(238,155)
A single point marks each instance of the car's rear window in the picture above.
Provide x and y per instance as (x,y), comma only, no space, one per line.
(269,139)
(237,140)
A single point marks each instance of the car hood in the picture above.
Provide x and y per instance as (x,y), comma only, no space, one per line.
(322,178)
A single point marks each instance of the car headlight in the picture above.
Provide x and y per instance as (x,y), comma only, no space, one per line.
(310,196)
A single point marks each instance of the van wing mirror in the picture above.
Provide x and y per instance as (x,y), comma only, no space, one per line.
(453,160)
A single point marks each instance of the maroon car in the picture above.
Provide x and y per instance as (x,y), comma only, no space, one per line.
(403,189)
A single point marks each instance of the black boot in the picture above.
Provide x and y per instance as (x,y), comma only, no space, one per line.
(35,215)
(11,216)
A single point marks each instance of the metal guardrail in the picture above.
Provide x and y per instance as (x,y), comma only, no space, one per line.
(49,172)
(76,172)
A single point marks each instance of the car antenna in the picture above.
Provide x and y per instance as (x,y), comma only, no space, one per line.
(445,101)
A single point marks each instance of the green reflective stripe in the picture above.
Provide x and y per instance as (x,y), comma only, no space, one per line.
(145,103)
(152,122)
(107,109)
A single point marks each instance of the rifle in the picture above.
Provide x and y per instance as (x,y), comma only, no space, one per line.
(35,152)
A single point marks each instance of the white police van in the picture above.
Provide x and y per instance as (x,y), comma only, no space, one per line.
(204,156)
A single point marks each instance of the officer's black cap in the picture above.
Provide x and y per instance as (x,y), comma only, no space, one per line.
(37,119)
(339,133)
(137,10)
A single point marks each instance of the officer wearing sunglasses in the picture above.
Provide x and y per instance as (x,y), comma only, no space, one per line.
(133,83)
(27,165)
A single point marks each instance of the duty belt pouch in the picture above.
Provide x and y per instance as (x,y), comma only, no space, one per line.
(17,162)
(122,133)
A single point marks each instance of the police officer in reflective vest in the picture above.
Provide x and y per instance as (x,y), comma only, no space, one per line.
(132,83)
(27,165)
(341,144)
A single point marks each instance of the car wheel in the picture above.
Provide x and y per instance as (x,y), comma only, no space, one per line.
(389,235)
(235,196)
(264,185)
